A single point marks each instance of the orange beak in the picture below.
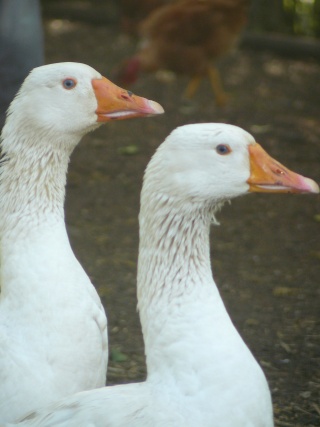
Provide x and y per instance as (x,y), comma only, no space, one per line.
(115,103)
(269,176)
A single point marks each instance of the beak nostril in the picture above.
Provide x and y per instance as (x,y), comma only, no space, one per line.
(124,96)
(279,172)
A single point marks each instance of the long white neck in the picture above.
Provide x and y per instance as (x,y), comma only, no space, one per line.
(32,191)
(184,322)
(175,284)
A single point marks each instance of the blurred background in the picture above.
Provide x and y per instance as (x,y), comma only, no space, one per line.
(291,17)
(266,251)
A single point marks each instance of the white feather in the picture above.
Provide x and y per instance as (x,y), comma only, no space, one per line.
(200,372)
(53,329)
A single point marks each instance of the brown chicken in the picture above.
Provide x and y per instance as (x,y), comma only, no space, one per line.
(187,37)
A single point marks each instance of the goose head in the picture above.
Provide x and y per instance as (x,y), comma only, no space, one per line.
(212,163)
(73,99)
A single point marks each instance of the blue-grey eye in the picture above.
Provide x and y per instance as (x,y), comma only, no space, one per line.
(69,83)
(223,149)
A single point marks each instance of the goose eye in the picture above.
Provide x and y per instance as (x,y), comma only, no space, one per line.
(223,149)
(69,83)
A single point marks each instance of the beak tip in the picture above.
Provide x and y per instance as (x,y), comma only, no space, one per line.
(155,107)
(313,186)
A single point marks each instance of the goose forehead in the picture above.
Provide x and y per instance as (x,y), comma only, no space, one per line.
(53,72)
(204,135)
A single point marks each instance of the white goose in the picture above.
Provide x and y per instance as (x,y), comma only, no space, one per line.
(53,328)
(200,372)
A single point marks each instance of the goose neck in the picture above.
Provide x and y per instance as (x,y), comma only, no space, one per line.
(32,182)
(176,291)
(174,253)
(34,244)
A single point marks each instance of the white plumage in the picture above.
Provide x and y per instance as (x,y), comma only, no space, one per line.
(53,328)
(200,372)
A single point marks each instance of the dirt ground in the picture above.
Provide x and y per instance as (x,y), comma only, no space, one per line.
(265,253)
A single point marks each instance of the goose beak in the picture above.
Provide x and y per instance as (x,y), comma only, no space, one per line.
(269,176)
(115,103)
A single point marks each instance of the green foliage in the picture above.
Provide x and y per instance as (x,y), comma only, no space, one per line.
(305,16)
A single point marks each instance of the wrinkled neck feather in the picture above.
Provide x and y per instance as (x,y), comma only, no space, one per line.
(32,190)
(179,304)
(32,179)
(174,250)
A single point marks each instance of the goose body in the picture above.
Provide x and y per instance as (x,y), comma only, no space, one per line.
(200,372)
(53,328)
